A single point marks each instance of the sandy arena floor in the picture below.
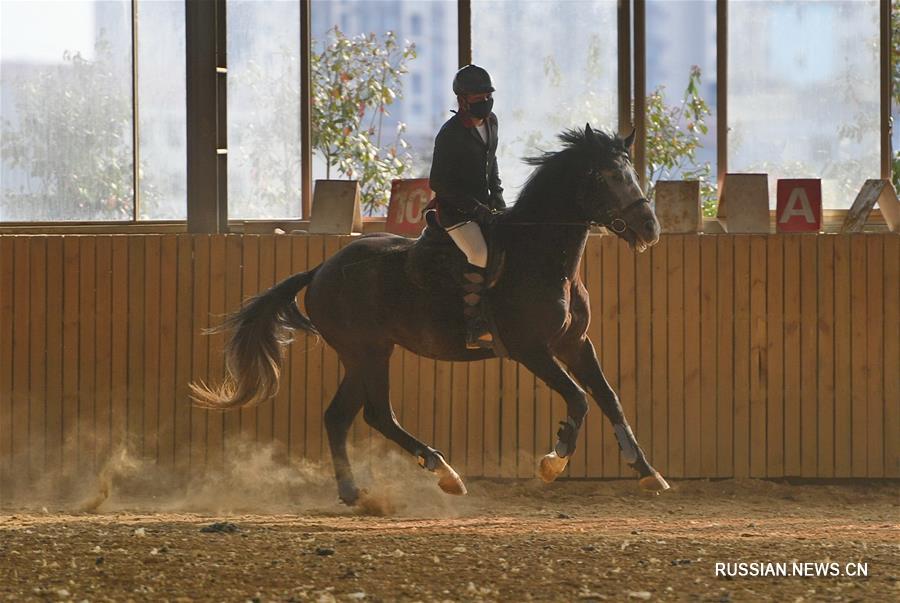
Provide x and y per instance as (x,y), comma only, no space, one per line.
(512,541)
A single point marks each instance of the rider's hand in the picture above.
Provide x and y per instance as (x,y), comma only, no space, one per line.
(483,213)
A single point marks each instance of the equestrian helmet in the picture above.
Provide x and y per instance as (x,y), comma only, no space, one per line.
(472,79)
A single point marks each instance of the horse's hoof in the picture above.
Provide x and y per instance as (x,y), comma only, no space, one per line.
(452,484)
(448,479)
(551,466)
(654,482)
(349,493)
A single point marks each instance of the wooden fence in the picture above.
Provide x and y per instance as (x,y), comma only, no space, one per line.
(734,356)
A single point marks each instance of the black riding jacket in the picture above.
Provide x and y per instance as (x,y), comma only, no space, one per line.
(464,170)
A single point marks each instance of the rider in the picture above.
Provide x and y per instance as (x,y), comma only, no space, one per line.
(466,182)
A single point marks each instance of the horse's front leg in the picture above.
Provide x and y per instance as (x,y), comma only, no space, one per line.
(379,414)
(586,368)
(549,370)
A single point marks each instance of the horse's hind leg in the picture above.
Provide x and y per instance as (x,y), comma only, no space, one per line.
(338,417)
(380,415)
(584,365)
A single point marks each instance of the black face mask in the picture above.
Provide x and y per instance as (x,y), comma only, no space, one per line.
(481,109)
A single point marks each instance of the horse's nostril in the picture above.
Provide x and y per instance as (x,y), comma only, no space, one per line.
(650,226)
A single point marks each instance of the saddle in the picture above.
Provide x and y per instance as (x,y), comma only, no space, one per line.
(435,262)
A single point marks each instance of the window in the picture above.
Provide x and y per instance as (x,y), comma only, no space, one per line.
(681,90)
(67,145)
(385,135)
(554,66)
(803,93)
(68,136)
(264,153)
(162,134)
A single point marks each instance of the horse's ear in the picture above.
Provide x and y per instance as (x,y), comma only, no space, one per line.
(629,140)
(588,133)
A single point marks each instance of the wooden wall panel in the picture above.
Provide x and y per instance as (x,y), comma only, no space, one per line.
(692,294)
(892,357)
(760,356)
(725,357)
(184,336)
(21,349)
(792,357)
(675,354)
(200,348)
(842,337)
(7,320)
(659,449)
(152,309)
(54,405)
(167,352)
(608,348)
(825,360)
(774,365)
(708,356)
(809,383)
(71,345)
(37,358)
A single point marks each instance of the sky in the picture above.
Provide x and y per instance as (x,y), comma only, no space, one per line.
(63,24)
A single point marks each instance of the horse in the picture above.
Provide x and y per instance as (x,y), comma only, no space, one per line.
(369,298)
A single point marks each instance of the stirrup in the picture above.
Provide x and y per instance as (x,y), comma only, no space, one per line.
(484,341)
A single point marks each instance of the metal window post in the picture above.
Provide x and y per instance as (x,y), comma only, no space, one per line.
(886,90)
(207,150)
(721,91)
(464,31)
(305,109)
(640,91)
(623,36)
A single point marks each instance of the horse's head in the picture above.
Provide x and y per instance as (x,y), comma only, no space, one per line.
(609,193)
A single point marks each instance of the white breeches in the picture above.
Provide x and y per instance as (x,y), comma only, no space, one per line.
(470,241)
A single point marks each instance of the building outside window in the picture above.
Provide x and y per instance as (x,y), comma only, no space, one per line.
(554,66)
(803,93)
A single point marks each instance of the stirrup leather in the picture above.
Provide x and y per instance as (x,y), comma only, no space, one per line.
(478,333)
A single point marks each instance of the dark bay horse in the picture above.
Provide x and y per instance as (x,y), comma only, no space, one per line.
(366,299)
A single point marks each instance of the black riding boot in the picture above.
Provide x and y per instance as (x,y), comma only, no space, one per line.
(478,333)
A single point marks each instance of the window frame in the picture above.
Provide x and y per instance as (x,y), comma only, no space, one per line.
(207,149)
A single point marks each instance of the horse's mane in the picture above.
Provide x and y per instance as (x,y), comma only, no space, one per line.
(550,179)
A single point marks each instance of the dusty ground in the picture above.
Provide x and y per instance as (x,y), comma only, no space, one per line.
(513,541)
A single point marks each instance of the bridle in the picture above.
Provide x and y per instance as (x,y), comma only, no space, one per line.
(615,219)
(611,218)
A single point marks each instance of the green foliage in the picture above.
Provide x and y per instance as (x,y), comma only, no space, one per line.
(673,137)
(72,137)
(354,81)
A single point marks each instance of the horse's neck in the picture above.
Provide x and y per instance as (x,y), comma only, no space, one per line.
(551,234)
(554,250)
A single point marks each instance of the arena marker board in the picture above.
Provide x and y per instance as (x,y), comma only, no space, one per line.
(872,192)
(406,210)
(335,208)
(799,205)
(677,206)
(744,203)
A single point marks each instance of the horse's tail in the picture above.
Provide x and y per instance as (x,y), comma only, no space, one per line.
(253,352)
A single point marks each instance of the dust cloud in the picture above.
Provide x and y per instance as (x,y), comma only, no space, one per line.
(253,478)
